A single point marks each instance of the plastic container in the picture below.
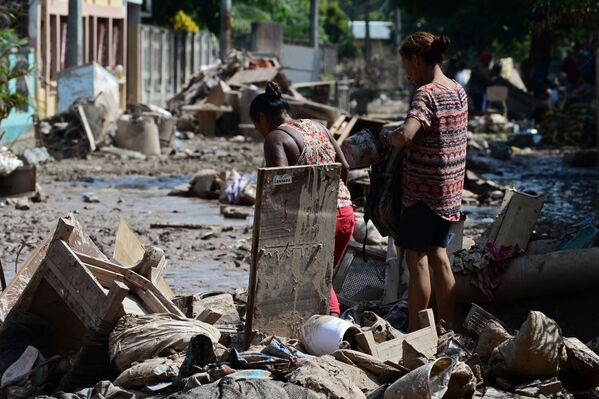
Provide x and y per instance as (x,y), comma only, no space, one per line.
(323,335)
(138,134)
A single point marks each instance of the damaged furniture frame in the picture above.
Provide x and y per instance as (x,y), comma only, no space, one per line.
(424,341)
(77,299)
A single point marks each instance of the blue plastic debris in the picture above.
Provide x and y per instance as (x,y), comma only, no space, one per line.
(584,238)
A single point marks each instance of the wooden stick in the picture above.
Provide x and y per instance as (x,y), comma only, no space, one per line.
(2,278)
(178,226)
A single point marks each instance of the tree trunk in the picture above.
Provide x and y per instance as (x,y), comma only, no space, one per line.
(314,23)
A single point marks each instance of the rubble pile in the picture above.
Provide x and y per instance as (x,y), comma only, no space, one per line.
(86,125)
(115,327)
(217,98)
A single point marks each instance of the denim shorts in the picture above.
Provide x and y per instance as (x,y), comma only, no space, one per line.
(420,228)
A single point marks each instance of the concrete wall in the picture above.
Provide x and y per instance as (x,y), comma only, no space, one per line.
(168,60)
(306,64)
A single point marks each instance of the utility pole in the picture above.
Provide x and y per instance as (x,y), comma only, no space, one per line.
(400,73)
(314,23)
(225,28)
(367,43)
(74,34)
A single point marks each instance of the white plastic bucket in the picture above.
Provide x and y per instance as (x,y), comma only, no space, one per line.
(322,335)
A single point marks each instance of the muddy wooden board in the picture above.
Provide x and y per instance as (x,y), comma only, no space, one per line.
(292,249)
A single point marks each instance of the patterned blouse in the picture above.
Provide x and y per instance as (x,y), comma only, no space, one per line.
(435,160)
(318,150)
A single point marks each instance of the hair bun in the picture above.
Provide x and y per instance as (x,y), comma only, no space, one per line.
(440,44)
(273,90)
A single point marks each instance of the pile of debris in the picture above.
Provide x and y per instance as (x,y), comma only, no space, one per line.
(73,317)
(81,129)
(218,97)
(18,177)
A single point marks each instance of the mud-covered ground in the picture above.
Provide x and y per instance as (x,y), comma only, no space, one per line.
(211,258)
(215,257)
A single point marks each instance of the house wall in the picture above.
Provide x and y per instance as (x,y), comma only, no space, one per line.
(104,38)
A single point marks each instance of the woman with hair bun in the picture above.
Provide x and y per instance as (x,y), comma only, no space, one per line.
(434,164)
(303,142)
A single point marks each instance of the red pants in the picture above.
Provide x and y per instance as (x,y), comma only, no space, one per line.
(343,232)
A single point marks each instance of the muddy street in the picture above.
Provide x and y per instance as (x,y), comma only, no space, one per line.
(212,258)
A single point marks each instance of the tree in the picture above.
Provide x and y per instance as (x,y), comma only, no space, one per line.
(8,41)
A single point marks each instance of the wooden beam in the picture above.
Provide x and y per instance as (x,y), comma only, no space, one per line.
(114,301)
(88,131)
(64,229)
(133,278)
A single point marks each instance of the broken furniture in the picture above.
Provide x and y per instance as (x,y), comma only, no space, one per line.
(77,240)
(79,130)
(345,125)
(292,249)
(65,302)
(424,341)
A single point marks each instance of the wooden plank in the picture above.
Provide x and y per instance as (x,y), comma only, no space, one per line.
(128,250)
(292,250)
(77,285)
(516,220)
(114,302)
(82,310)
(106,278)
(253,76)
(337,125)
(150,300)
(64,229)
(133,278)
(88,131)
(347,130)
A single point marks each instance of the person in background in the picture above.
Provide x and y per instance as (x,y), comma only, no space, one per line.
(303,142)
(434,164)
(480,79)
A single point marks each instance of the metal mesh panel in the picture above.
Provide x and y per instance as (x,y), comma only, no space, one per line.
(364,281)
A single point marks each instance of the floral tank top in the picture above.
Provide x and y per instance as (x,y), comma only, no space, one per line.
(318,150)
